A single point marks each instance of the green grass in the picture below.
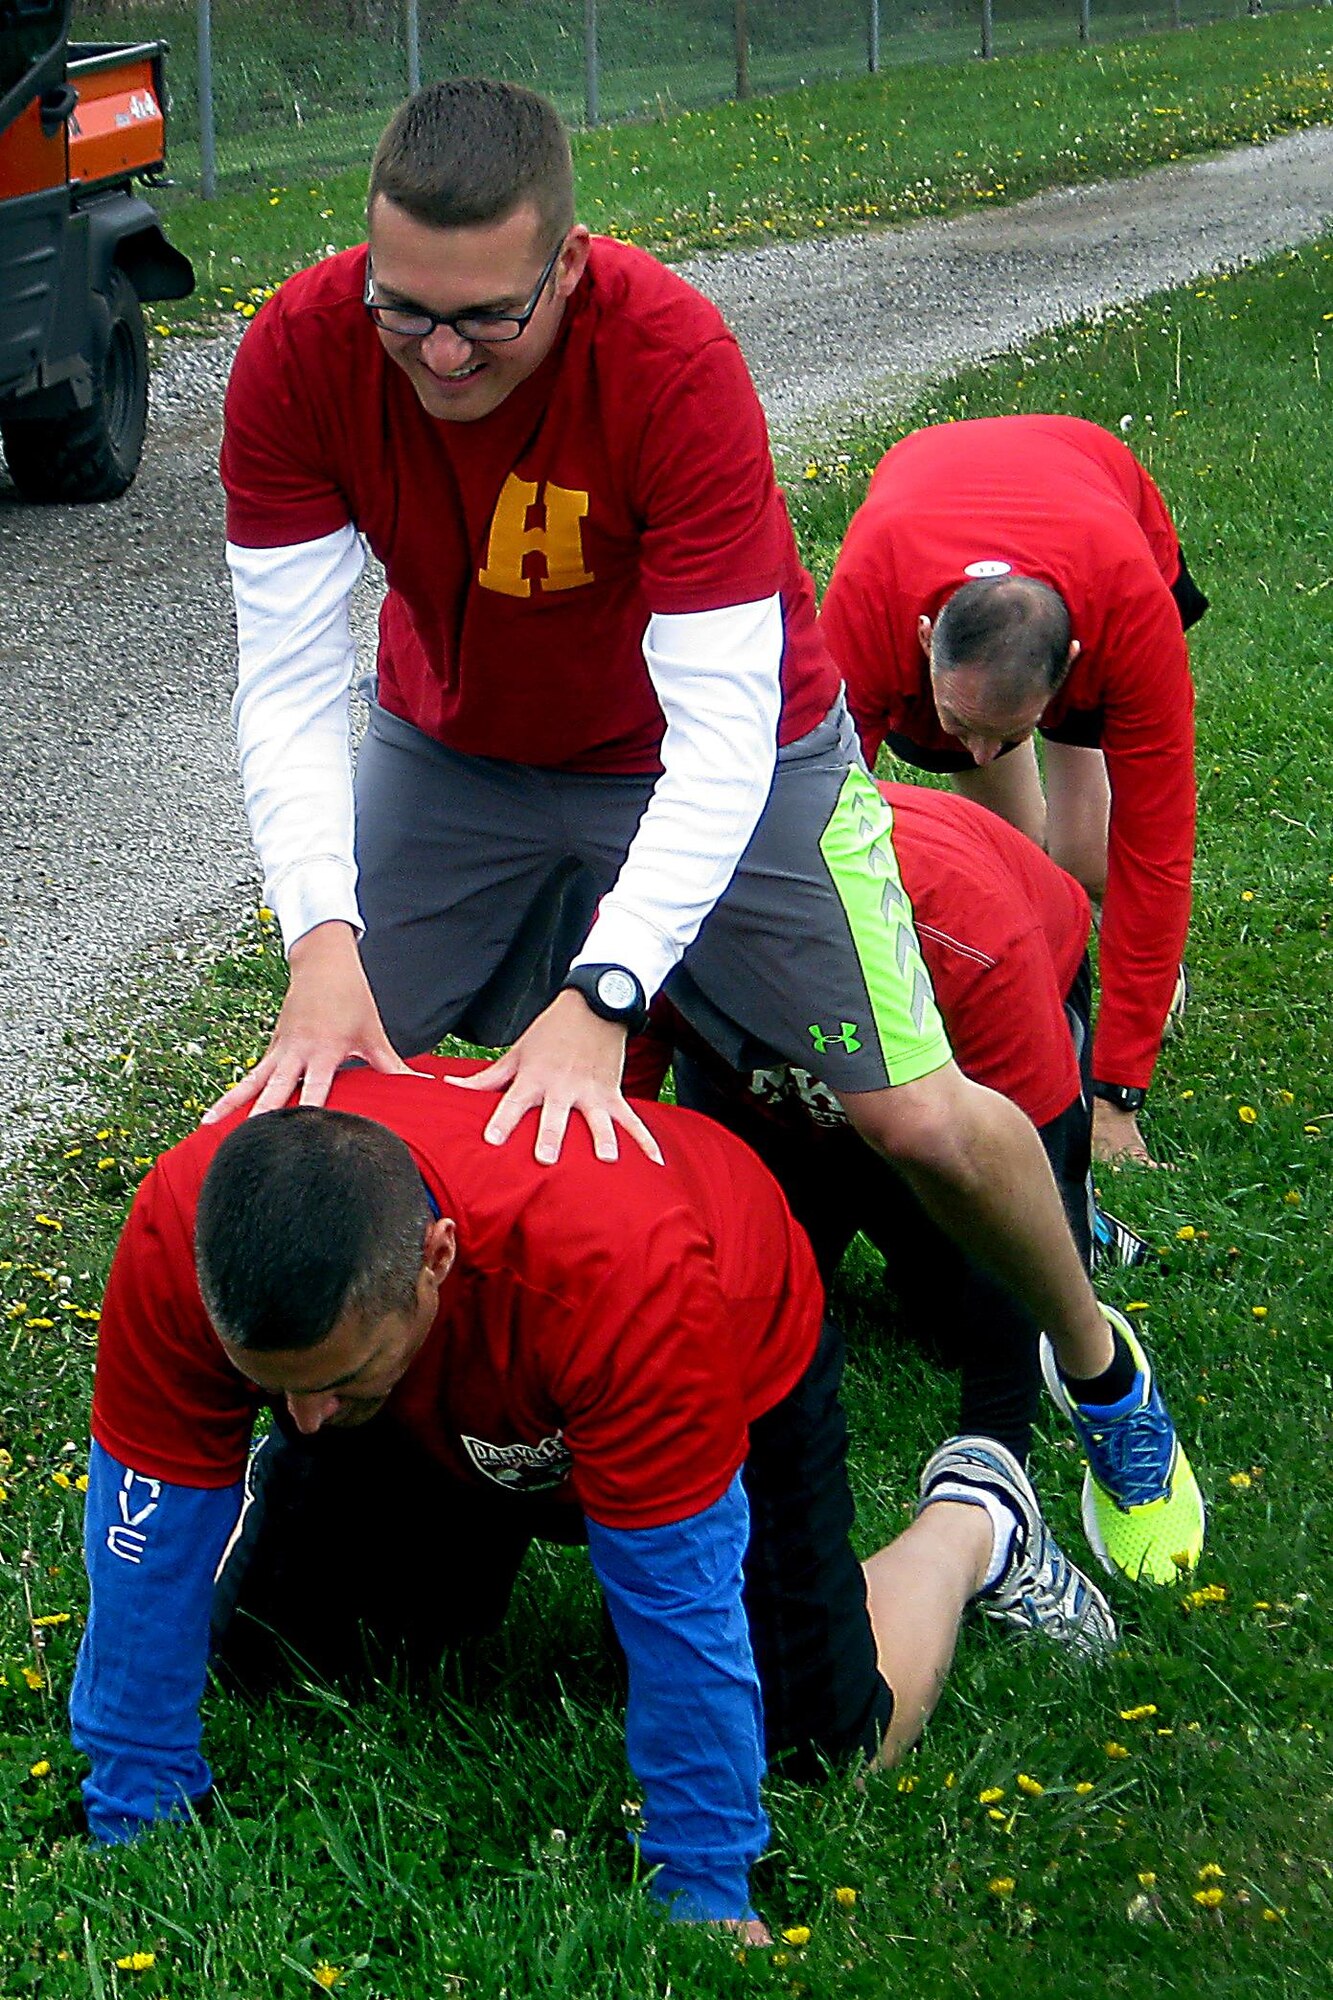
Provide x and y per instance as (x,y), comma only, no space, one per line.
(301,90)
(415,1845)
(930,140)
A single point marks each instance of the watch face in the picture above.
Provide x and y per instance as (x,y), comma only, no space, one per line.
(618,990)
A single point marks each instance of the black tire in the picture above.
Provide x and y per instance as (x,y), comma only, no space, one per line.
(91,454)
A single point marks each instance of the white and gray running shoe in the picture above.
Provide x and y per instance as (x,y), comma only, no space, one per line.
(1039,1589)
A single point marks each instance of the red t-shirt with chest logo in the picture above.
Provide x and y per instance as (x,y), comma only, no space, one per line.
(605,1337)
(1062,500)
(629,474)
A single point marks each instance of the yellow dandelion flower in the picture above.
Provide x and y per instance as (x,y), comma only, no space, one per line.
(1031,1786)
(1240,1480)
(326,1975)
(908,1782)
(49,1222)
(1210,1872)
(950,1780)
(1139,1714)
(81,1483)
(797,1934)
(41,1769)
(1259,1312)
(1083,1787)
(1247,1114)
(1148,1878)
(1247,895)
(32,1677)
(845,1898)
(1209,1898)
(1186,1233)
(1286,1097)
(780,1958)
(990,1795)
(1292,1197)
(1115,1750)
(137,1961)
(52,1618)
(1274,1916)
(62,1480)
(1208,1593)
(1001,1885)
(1185,1096)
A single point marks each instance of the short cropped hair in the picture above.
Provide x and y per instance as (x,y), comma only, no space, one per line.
(1014,627)
(469,150)
(306,1214)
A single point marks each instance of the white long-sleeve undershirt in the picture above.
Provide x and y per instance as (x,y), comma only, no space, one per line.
(290,710)
(718,678)
(716,674)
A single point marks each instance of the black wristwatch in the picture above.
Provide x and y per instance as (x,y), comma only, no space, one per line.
(613,993)
(1124,1096)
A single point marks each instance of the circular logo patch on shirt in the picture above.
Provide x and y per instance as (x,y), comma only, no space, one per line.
(990,567)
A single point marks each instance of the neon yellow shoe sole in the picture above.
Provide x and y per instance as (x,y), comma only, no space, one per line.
(1155,1543)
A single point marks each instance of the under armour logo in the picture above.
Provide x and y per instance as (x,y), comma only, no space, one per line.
(846,1038)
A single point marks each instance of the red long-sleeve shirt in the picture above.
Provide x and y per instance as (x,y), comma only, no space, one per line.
(1061,500)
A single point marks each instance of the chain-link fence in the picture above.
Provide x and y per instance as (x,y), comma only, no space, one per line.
(259,92)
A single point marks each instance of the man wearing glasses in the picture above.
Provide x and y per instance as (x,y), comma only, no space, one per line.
(608,752)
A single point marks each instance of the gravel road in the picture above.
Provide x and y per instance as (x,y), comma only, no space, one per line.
(120,816)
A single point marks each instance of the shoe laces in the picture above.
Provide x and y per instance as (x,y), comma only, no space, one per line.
(1132,1454)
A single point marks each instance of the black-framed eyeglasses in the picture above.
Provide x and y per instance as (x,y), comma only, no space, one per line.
(414,322)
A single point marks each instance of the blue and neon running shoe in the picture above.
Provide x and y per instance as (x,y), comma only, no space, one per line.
(1039,1589)
(1143,1513)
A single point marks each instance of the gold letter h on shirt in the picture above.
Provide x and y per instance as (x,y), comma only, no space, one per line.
(559,541)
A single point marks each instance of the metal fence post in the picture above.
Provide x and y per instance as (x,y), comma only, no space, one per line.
(987,31)
(413,26)
(873,52)
(592,109)
(208,151)
(1085,21)
(742,50)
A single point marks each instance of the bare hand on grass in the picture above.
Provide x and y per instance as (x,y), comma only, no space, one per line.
(1116,1139)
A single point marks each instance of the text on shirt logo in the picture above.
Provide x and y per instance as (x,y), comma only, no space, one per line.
(558,540)
(523,1468)
(125,1538)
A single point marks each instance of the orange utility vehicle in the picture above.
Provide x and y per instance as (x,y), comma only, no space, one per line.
(79,252)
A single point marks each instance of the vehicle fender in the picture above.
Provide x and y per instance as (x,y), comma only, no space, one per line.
(124,230)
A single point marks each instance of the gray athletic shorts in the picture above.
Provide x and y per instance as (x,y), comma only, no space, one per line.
(479,880)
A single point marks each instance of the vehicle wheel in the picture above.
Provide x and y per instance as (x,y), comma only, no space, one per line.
(91,454)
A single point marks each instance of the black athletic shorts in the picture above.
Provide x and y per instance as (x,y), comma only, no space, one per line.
(358,1554)
(946,1304)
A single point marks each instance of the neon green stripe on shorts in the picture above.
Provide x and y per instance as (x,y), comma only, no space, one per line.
(857,846)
